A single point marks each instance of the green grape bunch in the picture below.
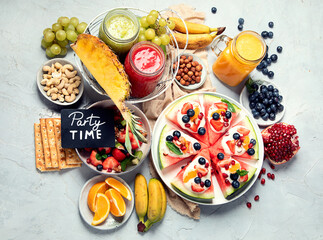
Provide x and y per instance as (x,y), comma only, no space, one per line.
(56,39)
(153,28)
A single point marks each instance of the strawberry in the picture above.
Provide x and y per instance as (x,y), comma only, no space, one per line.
(111,163)
(197,187)
(134,144)
(243,178)
(202,171)
(185,107)
(216,124)
(106,149)
(231,144)
(95,162)
(118,154)
(221,105)
(121,138)
(243,131)
(194,127)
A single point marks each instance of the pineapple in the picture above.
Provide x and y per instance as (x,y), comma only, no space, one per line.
(104,65)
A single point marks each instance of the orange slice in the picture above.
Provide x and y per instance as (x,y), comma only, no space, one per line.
(102,209)
(190,175)
(99,187)
(234,168)
(117,204)
(122,189)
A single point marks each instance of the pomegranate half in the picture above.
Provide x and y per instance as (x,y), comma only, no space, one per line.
(280,142)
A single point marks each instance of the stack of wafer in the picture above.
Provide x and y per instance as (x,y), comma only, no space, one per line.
(50,156)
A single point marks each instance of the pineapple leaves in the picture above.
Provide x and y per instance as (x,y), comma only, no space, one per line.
(127,141)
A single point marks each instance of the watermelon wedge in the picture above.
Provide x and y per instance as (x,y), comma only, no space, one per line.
(240,141)
(188,114)
(175,145)
(232,175)
(220,114)
(194,180)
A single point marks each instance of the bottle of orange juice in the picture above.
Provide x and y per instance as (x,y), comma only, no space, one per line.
(240,56)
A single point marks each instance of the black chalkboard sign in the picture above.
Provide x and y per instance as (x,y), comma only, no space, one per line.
(89,128)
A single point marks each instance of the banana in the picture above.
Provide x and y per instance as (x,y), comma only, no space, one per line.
(154,203)
(195,41)
(194,28)
(141,197)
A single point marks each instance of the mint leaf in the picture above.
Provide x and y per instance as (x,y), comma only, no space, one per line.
(173,148)
(230,106)
(125,163)
(242,172)
(248,86)
(104,156)
(98,156)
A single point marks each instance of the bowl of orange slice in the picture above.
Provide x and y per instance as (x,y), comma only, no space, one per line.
(106,203)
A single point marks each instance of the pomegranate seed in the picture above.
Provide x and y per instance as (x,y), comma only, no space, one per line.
(222,113)
(273,176)
(200,116)
(233,162)
(272,166)
(88,160)
(239,143)
(226,166)
(248,204)
(187,125)
(109,170)
(263,170)
(250,145)
(207,165)
(224,175)
(227,182)
(202,184)
(257,198)
(199,175)
(175,138)
(225,124)
(263,181)
(225,120)
(259,176)
(183,148)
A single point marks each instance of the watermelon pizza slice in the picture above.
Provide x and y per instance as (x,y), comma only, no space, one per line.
(220,114)
(239,141)
(194,180)
(175,145)
(232,174)
(188,114)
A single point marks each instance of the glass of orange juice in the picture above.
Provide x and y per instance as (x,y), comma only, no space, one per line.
(240,56)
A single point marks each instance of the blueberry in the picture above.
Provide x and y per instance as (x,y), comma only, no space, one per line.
(120,126)
(270,94)
(256,94)
(268,110)
(265,117)
(240,27)
(253,111)
(169,138)
(270,88)
(261,96)
(265,101)
(274,57)
(268,61)
(254,86)
(201,131)
(270,34)
(197,180)
(256,115)
(280,107)
(213,10)
(271,24)
(236,136)
(272,116)
(253,141)
(259,67)
(264,34)
(99,167)
(197,146)
(252,105)
(259,106)
(264,71)
(190,112)
(263,88)
(234,176)
(271,74)
(251,151)
(280,97)
(276,90)
(216,116)
(279,49)
(270,101)
(202,160)
(264,64)
(241,21)
(207,183)
(273,108)
(177,134)
(266,56)
(256,100)
(262,112)
(185,119)
(228,114)
(235,184)
(275,94)
(220,156)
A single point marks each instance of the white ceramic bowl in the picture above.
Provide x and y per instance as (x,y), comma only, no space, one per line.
(111,222)
(244,100)
(203,77)
(145,147)
(41,87)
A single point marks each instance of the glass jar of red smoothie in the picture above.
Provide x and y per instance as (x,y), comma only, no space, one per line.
(144,64)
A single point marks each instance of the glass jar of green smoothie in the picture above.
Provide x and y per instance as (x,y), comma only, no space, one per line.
(120,30)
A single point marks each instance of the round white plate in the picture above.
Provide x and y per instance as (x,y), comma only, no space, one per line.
(245,102)
(169,173)
(111,222)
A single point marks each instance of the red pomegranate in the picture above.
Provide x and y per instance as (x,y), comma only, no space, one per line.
(280,142)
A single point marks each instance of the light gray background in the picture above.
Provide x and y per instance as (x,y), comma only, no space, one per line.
(45,206)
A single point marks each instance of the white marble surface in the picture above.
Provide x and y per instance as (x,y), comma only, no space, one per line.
(44,206)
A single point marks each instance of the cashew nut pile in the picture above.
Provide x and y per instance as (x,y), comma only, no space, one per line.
(61,82)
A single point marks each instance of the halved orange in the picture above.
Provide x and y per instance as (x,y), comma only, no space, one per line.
(122,189)
(102,209)
(99,187)
(117,204)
